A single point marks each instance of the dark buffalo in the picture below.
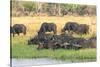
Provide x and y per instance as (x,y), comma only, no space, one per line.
(19,28)
(83,29)
(83,43)
(92,42)
(70,26)
(48,45)
(58,41)
(70,42)
(47,27)
(11,30)
(40,39)
(50,41)
(33,40)
(54,41)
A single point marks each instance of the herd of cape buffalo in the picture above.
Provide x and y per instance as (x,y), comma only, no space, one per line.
(54,41)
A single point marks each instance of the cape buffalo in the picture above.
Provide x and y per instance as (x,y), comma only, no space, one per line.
(92,42)
(70,26)
(40,39)
(48,45)
(19,28)
(83,29)
(47,27)
(11,30)
(33,40)
(61,41)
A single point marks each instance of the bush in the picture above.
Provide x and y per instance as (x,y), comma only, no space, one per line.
(28,8)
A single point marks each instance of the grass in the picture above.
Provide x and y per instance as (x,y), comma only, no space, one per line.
(20,49)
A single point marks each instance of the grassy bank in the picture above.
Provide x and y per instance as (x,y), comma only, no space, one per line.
(20,49)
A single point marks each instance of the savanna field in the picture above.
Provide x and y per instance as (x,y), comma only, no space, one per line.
(20,48)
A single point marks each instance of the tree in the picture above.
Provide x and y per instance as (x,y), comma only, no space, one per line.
(29,6)
(51,9)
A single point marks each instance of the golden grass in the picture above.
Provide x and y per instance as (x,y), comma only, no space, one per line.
(33,23)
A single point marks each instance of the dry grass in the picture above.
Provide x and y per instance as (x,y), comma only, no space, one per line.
(33,23)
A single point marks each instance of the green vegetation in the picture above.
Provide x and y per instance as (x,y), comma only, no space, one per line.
(20,49)
(31,8)
(33,14)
